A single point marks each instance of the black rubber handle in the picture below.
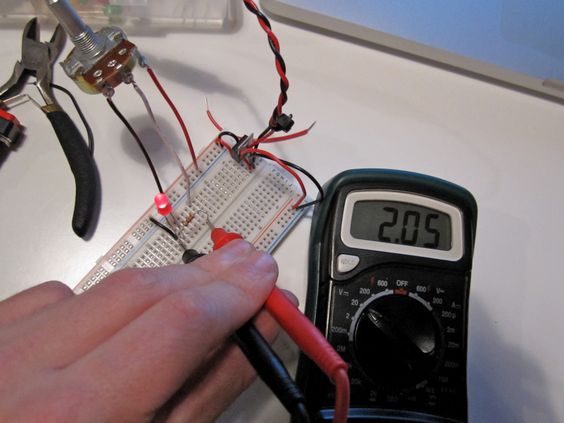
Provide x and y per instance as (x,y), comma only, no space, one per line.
(83,169)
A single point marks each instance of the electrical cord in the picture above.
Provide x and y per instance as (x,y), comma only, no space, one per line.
(271,370)
(284,163)
(288,168)
(262,357)
(228,134)
(176,113)
(163,227)
(306,173)
(278,121)
(305,334)
(266,362)
(139,143)
(268,138)
(314,345)
(301,415)
(264,137)
(210,116)
(89,134)
(162,137)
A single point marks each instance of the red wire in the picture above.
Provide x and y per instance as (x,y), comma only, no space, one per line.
(213,121)
(268,134)
(281,72)
(305,334)
(266,139)
(223,144)
(312,342)
(285,137)
(284,78)
(342,396)
(176,113)
(288,168)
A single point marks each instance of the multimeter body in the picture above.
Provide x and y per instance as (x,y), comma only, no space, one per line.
(389,278)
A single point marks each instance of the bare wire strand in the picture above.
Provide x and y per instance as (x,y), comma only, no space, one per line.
(163,139)
(177,114)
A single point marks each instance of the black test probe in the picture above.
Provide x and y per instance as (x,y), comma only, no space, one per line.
(266,362)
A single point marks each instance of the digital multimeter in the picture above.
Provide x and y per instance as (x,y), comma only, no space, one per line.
(389,278)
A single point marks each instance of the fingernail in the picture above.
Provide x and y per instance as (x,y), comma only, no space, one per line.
(291,297)
(264,263)
(235,250)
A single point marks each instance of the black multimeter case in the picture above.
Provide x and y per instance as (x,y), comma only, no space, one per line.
(389,279)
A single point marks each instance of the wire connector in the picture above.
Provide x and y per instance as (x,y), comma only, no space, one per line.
(241,145)
(283,122)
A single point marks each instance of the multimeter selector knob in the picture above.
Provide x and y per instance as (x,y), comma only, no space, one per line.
(396,341)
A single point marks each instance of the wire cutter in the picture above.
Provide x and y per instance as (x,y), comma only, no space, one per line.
(37,60)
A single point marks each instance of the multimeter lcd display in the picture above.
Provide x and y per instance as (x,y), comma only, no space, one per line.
(401,223)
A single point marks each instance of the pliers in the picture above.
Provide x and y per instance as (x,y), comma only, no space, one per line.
(37,60)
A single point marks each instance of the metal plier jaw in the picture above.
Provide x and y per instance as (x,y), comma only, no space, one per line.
(37,61)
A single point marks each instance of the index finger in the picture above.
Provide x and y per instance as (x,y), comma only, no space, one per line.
(144,364)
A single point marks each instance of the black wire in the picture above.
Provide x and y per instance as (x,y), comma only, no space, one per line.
(306,173)
(301,414)
(228,134)
(138,140)
(271,370)
(89,134)
(163,227)
(263,133)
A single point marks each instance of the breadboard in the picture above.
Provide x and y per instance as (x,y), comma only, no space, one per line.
(254,203)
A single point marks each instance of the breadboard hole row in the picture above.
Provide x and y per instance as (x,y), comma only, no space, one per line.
(255,203)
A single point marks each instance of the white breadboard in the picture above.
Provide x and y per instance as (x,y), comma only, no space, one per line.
(256,204)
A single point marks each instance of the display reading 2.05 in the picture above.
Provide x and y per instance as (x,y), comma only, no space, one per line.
(401,223)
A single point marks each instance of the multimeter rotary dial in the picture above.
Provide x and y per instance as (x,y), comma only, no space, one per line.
(396,340)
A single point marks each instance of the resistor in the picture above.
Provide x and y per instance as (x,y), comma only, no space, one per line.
(188,219)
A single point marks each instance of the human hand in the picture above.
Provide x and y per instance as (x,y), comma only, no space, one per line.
(140,342)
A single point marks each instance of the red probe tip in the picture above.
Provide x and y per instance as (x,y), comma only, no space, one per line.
(304,333)
(220,237)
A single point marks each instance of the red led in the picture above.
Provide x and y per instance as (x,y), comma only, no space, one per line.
(162,203)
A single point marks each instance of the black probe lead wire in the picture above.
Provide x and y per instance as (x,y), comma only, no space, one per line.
(267,364)
(306,173)
(138,140)
(89,134)
(271,370)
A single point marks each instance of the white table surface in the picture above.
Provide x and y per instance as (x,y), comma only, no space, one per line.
(372,109)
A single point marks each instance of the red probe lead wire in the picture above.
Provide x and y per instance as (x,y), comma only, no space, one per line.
(304,333)
(312,342)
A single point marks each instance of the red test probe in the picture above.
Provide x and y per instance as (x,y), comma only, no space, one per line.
(304,333)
